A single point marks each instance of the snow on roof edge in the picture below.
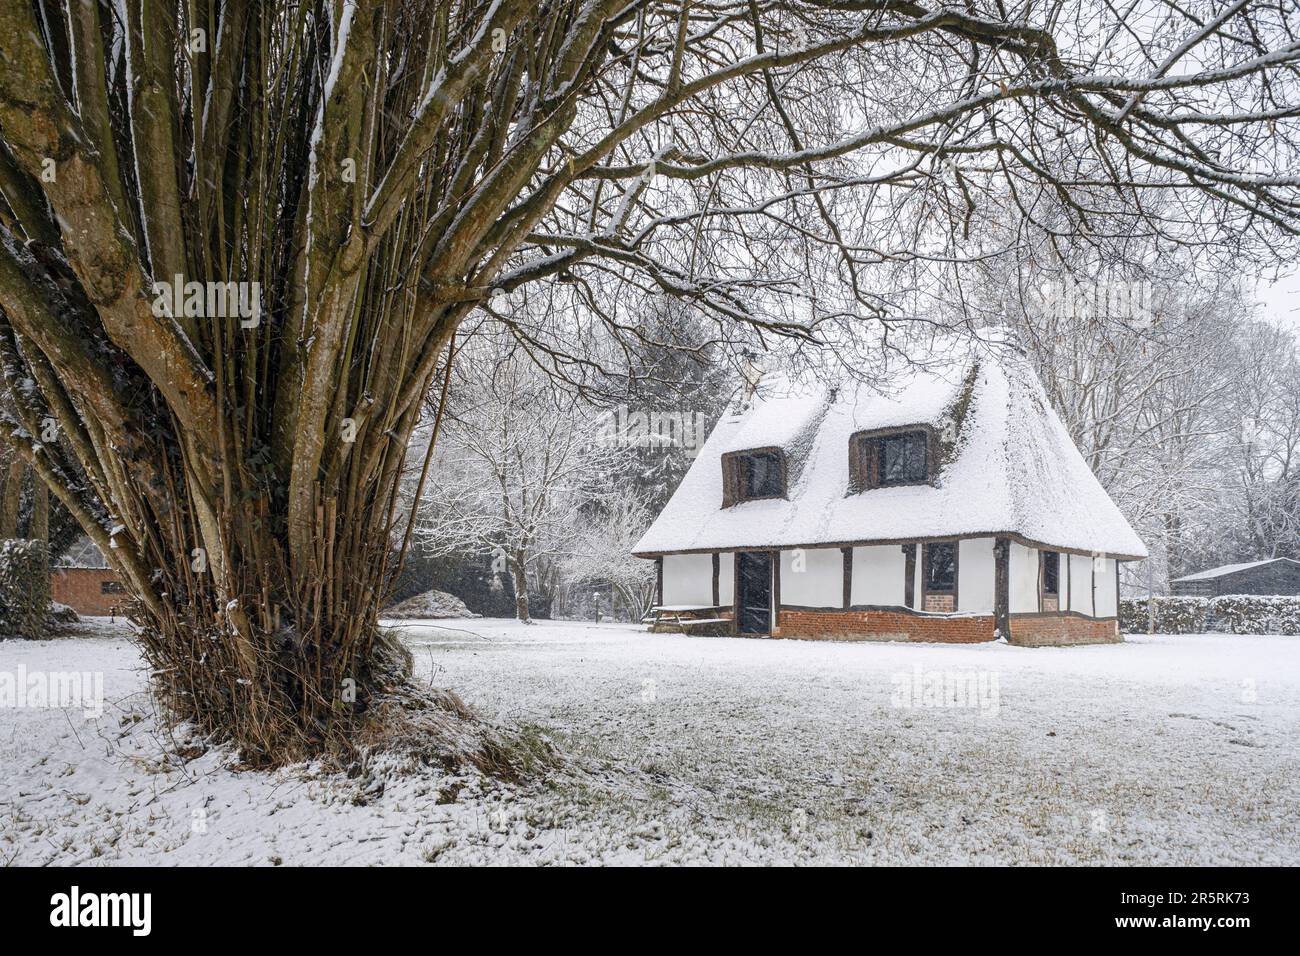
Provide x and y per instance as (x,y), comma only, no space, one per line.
(1015,473)
(1226,569)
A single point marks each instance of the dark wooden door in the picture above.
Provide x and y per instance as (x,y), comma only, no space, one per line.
(754,592)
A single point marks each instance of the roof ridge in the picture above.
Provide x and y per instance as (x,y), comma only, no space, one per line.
(1013,467)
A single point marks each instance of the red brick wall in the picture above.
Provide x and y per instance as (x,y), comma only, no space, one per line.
(1030,630)
(940,603)
(1046,630)
(82,590)
(885,626)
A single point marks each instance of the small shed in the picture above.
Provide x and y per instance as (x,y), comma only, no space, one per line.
(1270,576)
(83,580)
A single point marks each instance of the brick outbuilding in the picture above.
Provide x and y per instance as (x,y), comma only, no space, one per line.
(83,580)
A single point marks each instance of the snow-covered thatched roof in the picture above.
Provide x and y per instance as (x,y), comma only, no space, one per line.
(1009,466)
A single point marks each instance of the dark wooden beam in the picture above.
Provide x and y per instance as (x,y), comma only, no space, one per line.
(735,592)
(956,575)
(1039,552)
(1117,589)
(848,576)
(776,593)
(1002,587)
(909,580)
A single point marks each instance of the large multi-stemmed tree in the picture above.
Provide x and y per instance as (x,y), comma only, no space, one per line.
(382,168)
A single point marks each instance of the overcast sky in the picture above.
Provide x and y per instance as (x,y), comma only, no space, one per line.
(1281,300)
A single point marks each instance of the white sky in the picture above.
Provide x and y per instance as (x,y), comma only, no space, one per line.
(1281,301)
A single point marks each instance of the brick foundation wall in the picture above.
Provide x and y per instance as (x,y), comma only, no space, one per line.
(1028,630)
(82,589)
(884,625)
(1055,630)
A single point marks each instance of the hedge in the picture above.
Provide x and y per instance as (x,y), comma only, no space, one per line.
(24,587)
(1228,614)
(1256,614)
(1174,615)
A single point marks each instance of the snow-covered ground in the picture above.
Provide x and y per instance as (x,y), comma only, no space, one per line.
(713,750)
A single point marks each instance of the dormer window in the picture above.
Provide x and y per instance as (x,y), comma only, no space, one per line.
(751,475)
(892,456)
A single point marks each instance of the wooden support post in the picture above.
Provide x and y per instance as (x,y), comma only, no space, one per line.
(1002,587)
(848,576)
(735,592)
(1039,552)
(909,572)
(1092,577)
(1117,591)
(776,593)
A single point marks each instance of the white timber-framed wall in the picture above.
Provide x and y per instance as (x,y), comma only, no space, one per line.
(878,576)
(1080,577)
(726,578)
(1105,577)
(976,572)
(688,579)
(814,578)
(1023,578)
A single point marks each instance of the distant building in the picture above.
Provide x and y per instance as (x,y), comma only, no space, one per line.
(1270,576)
(83,580)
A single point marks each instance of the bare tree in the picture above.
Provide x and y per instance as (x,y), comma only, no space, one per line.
(518,462)
(1147,399)
(1154,365)
(381,167)
(602,552)
(1261,507)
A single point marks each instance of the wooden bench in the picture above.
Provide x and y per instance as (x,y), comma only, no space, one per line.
(687,618)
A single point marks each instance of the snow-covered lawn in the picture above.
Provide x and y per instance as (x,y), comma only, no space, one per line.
(714,750)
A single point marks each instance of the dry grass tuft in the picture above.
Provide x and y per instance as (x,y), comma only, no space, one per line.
(436,727)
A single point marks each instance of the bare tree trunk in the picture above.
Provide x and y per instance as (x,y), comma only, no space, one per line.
(1173,545)
(520,577)
(40,528)
(12,498)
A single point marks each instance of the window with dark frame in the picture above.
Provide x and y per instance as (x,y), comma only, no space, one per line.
(758,475)
(941,567)
(902,459)
(111,587)
(894,458)
(1051,572)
